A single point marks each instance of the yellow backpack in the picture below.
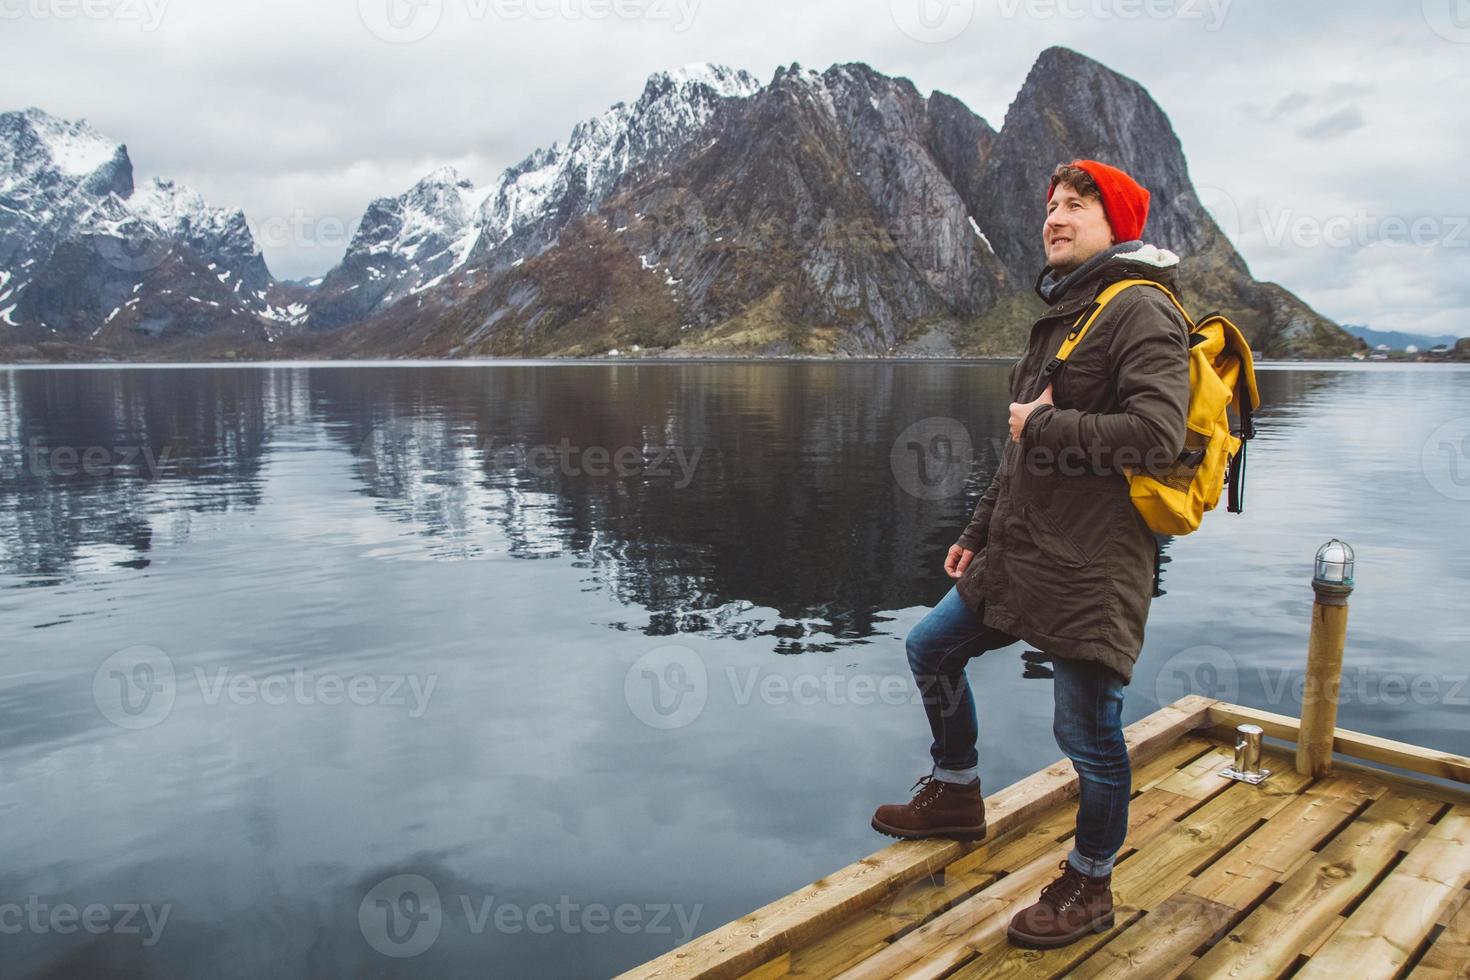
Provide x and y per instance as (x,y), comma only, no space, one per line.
(1222,376)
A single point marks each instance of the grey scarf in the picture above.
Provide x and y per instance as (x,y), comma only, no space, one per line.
(1052,286)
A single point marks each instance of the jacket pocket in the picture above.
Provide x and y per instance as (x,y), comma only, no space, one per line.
(1055,543)
(1053,586)
(1085,386)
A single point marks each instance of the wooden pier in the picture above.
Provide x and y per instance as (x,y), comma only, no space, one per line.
(1358,872)
(1350,862)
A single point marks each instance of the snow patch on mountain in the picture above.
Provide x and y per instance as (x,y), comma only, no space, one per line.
(75,148)
(72,149)
(408,244)
(63,185)
(600,150)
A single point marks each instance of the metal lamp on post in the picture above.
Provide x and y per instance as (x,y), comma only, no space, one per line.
(1332,583)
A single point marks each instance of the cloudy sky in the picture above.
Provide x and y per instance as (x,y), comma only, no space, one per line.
(1329,138)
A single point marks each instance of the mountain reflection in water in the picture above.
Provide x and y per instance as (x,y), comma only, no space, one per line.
(520,542)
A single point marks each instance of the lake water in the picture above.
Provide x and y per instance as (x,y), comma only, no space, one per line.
(538,670)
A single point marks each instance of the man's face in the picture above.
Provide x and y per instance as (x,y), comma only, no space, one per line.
(1076,229)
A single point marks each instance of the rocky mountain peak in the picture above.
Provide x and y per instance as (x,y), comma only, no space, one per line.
(721,80)
(1070,107)
(826,211)
(83,250)
(39,149)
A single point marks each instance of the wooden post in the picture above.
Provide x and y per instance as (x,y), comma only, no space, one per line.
(1324,678)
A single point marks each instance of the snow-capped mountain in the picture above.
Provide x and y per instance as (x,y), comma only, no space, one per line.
(221,236)
(836,211)
(572,179)
(409,243)
(53,174)
(402,245)
(84,253)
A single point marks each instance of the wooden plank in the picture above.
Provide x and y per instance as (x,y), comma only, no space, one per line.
(1394,920)
(1156,871)
(1409,784)
(1449,957)
(1245,874)
(1146,879)
(740,946)
(1269,940)
(967,930)
(1149,773)
(1200,779)
(1384,751)
(1178,772)
(1155,807)
(771,969)
(1163,942)
(1319,940)
(950,940)
(869,931)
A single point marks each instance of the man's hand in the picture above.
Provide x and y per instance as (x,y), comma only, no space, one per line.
(1020,412)
(957,561)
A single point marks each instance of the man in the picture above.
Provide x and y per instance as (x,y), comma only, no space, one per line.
(1056,554)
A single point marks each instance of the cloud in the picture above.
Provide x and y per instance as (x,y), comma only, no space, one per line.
(286,108)
(1287,105)
(1334,124)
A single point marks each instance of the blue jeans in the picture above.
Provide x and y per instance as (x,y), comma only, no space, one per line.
(1087,723)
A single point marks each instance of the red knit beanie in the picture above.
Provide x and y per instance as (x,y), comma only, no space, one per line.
(1124,200)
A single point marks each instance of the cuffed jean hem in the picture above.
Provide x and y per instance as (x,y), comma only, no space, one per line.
(1086,865)
(961,776)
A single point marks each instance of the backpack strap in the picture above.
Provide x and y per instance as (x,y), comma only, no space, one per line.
(1089,316)
(1235,476)
(1235,481)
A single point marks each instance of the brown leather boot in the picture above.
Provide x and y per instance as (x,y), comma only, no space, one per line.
(1069,908)
(938,809)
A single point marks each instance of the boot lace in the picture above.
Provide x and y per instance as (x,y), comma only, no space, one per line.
(929,790)
(1066,890)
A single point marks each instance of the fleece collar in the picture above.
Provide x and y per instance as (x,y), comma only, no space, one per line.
(1052,286)
(1159,258)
